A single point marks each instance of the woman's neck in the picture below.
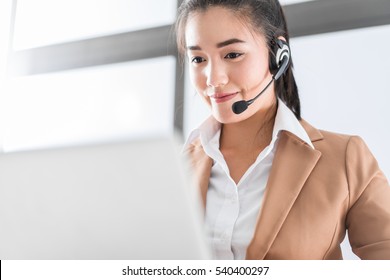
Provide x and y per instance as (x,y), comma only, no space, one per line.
(254,133)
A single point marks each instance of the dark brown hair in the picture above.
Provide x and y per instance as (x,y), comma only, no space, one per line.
(266,17)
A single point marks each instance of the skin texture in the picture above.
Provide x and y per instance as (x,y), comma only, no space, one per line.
(228,62)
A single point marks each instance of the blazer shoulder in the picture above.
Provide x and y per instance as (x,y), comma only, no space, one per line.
(324,140)
(351,154)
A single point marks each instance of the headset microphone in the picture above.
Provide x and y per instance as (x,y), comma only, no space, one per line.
(282,60)
(240,106)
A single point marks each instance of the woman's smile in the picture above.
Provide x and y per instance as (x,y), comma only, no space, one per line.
(223,97)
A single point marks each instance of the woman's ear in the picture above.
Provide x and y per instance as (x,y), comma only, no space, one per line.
(282,38)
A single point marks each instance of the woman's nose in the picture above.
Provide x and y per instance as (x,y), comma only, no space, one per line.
(216,75)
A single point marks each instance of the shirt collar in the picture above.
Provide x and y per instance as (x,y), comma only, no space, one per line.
(210,130)
(286,120)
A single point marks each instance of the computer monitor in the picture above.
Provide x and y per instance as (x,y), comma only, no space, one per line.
(127,200)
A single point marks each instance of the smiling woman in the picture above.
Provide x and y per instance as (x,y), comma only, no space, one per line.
(222,65)
(273,186)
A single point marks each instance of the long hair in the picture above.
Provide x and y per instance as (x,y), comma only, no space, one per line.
(264,16)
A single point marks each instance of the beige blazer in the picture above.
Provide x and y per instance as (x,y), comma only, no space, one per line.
(313,196)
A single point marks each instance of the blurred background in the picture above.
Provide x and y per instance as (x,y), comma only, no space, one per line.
(83,71)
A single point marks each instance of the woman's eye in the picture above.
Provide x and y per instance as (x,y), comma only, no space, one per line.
(197,59)
(233,55)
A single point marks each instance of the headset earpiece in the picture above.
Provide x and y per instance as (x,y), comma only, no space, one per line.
(282,58)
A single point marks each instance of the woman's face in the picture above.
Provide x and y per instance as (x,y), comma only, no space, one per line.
(228,62)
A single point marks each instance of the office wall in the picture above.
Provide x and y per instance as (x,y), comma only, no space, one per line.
(343,82)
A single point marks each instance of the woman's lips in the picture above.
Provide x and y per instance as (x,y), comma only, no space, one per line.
(223,97)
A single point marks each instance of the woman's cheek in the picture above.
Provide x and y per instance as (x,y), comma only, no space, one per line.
(199,83)
(196,78)
(206,99)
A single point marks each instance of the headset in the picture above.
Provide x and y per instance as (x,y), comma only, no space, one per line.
(282,59)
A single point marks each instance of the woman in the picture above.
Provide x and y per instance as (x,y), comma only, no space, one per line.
(273,186)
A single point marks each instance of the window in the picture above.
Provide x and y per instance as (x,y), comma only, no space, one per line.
(112,102)
(47,22)
(89,71)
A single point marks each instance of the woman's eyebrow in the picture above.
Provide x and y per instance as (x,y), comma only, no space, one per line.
(219,45)
(229,42)
(194,48)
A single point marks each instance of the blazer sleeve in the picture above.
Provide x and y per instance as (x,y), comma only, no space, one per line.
(368,218)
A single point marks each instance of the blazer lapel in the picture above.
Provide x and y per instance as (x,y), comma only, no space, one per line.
(293,162)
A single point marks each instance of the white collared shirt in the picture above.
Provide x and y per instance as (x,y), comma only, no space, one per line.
(232,209)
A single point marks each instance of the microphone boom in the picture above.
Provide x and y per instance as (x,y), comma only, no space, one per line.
(240,106)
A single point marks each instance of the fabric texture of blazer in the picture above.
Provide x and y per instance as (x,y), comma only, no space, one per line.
(313,196)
